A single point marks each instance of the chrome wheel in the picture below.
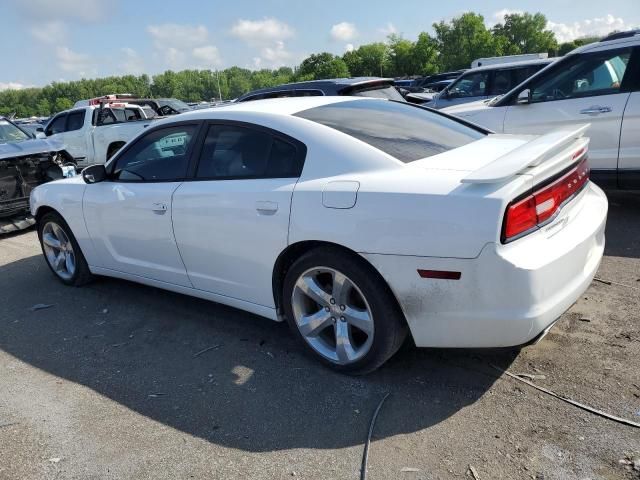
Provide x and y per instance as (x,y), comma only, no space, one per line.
(332,315)
(58,250)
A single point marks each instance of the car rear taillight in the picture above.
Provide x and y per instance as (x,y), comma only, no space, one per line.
(530,213)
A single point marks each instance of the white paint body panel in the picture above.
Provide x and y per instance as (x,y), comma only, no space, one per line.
(630,135)
(544,117)
(230,233)
(219,240)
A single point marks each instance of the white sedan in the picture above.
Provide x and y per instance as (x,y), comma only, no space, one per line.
(357,220)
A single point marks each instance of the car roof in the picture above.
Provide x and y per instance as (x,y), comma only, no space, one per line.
(318,84)
(275,106)
(521,63)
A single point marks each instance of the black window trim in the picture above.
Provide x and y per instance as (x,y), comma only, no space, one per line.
(301,150)
(511,98)
(50,124)
(191,150)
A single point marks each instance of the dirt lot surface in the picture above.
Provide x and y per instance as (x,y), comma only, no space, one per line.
(106,384)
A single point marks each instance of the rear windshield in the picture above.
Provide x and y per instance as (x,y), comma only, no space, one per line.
(403,131)
(379,91)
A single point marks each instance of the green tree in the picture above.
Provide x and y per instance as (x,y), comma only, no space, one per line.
(323,65)
(525,33)
(374,60)
(463,40)
(425,53)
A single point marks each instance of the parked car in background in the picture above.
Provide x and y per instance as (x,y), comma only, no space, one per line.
(25,162)
(359,87)
(597,84)
(486,82)
(431,80)
(160,106)
(483,62)
(94,133)
(355,219)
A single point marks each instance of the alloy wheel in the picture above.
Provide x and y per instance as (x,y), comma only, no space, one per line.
(332,315)
(58,250)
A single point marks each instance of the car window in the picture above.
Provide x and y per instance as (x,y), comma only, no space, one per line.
(105,117)
(161,155)
(502,80)
(57,125)
(471,85)
(587,75)
(232,151)
(132,114)
(309,93)
(75,121)
(9,133)
(404,131)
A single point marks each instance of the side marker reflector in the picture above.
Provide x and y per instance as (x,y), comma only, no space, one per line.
(439,274)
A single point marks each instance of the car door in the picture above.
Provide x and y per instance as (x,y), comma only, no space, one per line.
(74,137)
(129,215)
(629,156)
(231,221)
(585,88)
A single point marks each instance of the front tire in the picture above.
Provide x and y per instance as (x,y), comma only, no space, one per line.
(342,310)
(61,251)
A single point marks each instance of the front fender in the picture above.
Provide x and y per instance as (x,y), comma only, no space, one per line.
(65,197)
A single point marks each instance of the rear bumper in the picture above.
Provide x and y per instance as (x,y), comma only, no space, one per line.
(509,294)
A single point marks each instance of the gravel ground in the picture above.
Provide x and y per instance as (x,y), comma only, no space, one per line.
(106,384)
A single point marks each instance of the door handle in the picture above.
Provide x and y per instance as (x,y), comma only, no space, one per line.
(266,208)
(595,110)
(159,207)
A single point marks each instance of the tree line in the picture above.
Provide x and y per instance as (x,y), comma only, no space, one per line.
(454,45)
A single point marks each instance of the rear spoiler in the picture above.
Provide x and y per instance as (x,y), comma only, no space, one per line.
(530,154)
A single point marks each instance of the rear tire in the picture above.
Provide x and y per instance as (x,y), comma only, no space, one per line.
(342,311)
(61,251)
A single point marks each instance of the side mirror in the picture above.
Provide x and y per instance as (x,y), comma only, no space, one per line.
(94,173)
(39,135)
(524,97)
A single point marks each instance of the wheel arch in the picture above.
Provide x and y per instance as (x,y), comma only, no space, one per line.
(294,251)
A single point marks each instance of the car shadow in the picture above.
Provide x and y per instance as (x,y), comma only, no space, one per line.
(222,374)
(623,224)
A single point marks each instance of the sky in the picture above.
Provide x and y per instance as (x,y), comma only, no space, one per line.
(60,40)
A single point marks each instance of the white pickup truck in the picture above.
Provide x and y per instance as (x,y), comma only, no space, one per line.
(92,134)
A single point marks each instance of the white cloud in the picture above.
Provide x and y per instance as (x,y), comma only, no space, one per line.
(267,36)
(349,47)
(87,10)
(343,31)
(388,29)
(208,54)
(599,26)
(52,32)
(181,46)
(260,32)
(79,63)
(173,35)
(12,86)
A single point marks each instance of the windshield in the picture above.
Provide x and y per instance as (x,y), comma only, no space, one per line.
(402,130)
(177,105)
(9,133)
(379,91)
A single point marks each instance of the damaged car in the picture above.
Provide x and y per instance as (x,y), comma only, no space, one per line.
(26,162)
